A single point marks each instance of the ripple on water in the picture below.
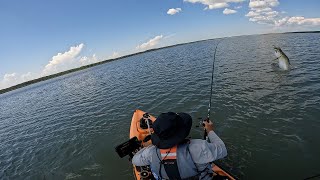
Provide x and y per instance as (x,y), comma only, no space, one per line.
(67,127)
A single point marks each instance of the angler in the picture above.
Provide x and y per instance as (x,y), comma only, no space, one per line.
(172,156)
(159,148)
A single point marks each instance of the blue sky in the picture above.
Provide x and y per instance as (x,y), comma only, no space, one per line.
(39,37)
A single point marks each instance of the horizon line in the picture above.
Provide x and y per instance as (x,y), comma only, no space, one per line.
(44,78)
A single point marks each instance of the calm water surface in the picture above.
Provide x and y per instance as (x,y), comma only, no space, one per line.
(67,127)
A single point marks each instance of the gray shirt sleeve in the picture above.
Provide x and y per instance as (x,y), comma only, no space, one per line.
(206,152)
(218,145)
(143,157)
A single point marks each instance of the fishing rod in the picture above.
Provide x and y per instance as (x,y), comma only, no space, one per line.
(210,101)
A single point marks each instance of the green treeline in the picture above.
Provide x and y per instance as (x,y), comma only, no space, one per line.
(69,71)
(51,76)
(106,61)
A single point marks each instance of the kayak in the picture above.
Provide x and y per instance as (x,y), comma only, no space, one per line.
(140,131)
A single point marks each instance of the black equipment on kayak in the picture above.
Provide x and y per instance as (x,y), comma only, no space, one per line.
(144,123)
(147,138)
(128,147)
(145,172)
(209,107)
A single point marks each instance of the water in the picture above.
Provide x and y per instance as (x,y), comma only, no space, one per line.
(67,127)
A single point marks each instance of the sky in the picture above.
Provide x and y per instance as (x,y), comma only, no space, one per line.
(42,37)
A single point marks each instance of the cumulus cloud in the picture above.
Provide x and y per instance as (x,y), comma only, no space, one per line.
(256,4)
(173,11)
(229,11)
(28,76)
(217,6)
(150,44)
(272,13)
(252,14)
(85,60)
(262,12)
(58,63)
(214,4)
(11,79)
(63,61)
(298,20)
(114,55)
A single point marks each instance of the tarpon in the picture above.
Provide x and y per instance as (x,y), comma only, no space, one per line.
(283,60)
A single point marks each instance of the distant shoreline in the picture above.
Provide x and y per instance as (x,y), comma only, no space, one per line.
(110,60)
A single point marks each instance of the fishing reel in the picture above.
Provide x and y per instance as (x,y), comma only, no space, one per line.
(145,121)
(201,122)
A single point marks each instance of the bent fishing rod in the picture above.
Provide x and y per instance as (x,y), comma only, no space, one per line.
(210,101)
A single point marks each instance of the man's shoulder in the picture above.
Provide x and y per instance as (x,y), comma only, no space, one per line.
(149,149)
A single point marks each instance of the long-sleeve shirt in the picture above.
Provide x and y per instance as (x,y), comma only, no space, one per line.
(201,151)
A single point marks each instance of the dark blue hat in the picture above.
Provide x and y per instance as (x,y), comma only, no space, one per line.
(170,129)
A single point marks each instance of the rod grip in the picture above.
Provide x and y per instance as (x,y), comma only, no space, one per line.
(205,134)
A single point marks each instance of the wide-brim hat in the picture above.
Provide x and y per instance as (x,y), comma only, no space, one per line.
(170,129)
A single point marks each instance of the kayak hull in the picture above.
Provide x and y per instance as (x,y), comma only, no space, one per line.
(136,131)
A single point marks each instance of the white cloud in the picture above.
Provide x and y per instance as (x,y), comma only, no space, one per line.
(173,11)
(28,76)
(273,3)
(11,79)
(58,63)
(262,19)
(150,44)
(238,7)
(298,20)
(281,22)
(63,61)
(217,6)
(252,14)
(263,3)
(271,13)
(114,55)
(302,20)
(229,11)
(261,11)
(214,4)
(257,4)
(88,60)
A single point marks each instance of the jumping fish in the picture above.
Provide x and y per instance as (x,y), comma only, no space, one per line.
(283,60)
